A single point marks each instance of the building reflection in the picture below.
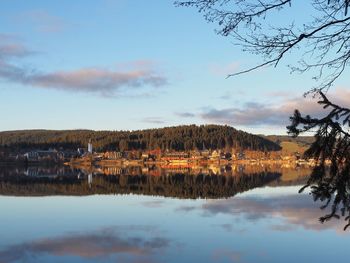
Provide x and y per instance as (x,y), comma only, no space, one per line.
(170,181)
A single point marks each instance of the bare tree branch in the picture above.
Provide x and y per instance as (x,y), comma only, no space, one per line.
(246,21)
(325,41)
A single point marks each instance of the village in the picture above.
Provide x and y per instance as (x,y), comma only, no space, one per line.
(87,156)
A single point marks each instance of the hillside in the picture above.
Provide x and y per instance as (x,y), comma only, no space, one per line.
(291,145)
(173,138)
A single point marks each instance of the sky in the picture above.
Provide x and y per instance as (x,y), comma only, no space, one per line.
(126,65)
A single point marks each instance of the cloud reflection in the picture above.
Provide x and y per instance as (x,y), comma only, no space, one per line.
(104,243)
(232,256)
(295,210)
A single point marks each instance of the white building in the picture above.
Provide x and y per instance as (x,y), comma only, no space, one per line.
(90,146)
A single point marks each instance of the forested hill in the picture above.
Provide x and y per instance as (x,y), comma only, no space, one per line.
(173,138)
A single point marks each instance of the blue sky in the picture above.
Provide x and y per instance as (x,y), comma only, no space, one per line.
(124,65)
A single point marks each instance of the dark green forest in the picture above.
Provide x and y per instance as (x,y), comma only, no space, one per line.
(177,138)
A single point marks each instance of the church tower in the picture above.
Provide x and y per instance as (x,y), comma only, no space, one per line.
(90,146)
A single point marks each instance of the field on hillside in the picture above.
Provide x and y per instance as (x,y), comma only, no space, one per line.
(291,145)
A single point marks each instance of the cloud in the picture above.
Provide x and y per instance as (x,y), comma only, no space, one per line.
(102,243)
(279,93)
(6,37)
(259,114)
(13,51)
(10,48)
(154,120)
(185,114)
(42,21)
(102,81)
(94,80)
(226,96)
(252,115)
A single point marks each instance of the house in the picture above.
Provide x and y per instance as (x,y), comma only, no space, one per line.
(176,157)
(113,155)
(32,156)
(41,155)
(215,155)
(66,155)
(205,153)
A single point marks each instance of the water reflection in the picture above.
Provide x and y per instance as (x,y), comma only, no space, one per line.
(158,214)
(162,214)
(331,186)
(39,181)
(295,210)
(127,244)
(271,224)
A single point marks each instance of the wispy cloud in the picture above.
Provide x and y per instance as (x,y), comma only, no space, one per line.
(42,21)
(262,114)
(279,93)
(154,120)
(185,114)
(251,114)
(93,80)
(102,81)
(225,96)
(13,50)
(10,48)
(7,37)
(229,95)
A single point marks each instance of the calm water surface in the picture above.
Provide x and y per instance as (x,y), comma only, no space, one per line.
(133,218)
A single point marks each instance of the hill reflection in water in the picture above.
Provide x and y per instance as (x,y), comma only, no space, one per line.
(184,182)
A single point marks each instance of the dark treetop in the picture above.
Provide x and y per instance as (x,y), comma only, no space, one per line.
(173,138)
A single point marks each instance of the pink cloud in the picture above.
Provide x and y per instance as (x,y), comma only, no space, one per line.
(42,21)
(118,81)
(259,114)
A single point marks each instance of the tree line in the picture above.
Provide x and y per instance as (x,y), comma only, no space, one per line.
(179,138)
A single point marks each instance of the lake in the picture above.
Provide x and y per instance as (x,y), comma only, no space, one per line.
(239,214)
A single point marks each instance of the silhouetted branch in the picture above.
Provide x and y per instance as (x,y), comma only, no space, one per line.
(330,179)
